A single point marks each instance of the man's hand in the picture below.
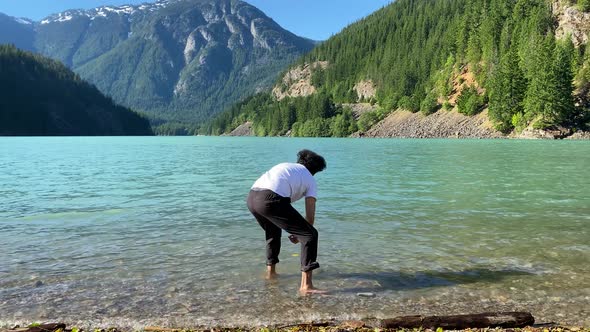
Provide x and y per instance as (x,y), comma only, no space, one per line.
(293,239)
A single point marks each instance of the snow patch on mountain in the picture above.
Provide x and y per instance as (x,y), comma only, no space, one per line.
(104,11)
(23,21)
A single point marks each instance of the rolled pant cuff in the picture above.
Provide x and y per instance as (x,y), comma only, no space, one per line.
(272,262)
(310,267)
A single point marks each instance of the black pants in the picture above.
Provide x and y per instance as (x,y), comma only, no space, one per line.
(274,213)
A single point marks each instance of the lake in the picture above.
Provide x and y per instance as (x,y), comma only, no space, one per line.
(135,231)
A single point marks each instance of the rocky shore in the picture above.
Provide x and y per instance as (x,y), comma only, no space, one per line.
(442,124)
(329,326)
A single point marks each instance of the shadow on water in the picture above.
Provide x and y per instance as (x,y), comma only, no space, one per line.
(383,281)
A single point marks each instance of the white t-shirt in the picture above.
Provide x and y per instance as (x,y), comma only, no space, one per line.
(288,180)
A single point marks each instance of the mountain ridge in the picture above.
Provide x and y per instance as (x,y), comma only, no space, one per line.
(177,60)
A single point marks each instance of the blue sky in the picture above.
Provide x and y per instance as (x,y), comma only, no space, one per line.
(315,19)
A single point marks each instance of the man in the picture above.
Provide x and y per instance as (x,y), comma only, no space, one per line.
(270,201)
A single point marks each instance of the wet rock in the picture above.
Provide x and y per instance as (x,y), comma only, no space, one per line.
(172,289)
(38,283)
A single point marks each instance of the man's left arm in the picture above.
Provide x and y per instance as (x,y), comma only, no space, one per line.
(310,209)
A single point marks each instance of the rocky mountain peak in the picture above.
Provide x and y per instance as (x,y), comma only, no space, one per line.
(178,59)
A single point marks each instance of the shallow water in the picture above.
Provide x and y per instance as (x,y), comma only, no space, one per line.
(155,231)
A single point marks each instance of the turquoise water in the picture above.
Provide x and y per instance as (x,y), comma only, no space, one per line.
(154,231)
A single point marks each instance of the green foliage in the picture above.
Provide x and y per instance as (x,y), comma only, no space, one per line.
(519,121)
(344,124)
(429,104)
(42,97)
(470,102)
(447,106)
(443,79)
(175,129)
(584,5)
(369,119)
(581,115)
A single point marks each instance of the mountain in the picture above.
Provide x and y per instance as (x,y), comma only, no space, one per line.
(523,64)
(177,60)
(17,31)
(42,97)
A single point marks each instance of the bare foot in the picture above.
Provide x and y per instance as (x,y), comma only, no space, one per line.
(271,272)
(311,290)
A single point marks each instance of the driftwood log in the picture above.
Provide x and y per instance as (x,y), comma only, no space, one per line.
(460,322)
(47,327)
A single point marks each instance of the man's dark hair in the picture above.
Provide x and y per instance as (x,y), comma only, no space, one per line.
(311,160)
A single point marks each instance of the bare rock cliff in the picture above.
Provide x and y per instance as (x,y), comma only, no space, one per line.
(297,81)
(571,22)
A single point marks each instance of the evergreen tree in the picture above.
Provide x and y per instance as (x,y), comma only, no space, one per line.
(564,53)
(508,90)
(542,95)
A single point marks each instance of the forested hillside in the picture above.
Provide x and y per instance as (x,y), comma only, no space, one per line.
(427,55)
(42,97)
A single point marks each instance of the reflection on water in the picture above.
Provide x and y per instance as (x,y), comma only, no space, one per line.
(144,231)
